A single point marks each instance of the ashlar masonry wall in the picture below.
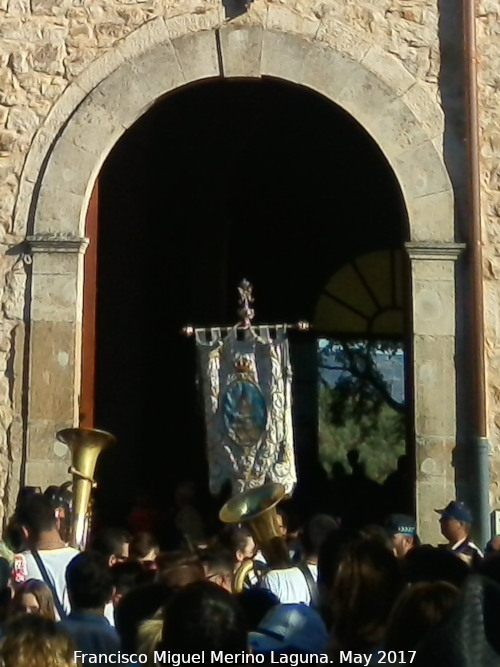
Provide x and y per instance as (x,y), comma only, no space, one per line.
(488,52)
(52,57)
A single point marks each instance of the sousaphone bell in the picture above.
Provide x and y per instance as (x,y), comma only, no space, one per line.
(257,509)
(85,445)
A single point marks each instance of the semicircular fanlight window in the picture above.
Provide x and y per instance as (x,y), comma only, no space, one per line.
(364,297)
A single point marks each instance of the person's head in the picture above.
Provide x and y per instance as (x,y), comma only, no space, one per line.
(149,638)
(469,635)
(316,531)
(60,499)
(256,603)
(294,522)
(338,470)
(144,547)
(281,520)
(428,563)
(329,558)
(178,569)
(290,628)
(134,608)
(89,581)
(52,492)
(26,493)
(376,533)
(455,520)
(353,457)
(239,541)
(204,617)
(35,641)
(365,587)
(402,530)
(419,608)
(35,597)
(219,567)
(36,516)
(127,576)
(113,543)
(493,545)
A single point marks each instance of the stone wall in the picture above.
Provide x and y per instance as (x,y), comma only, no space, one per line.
(488,41)
(47,44)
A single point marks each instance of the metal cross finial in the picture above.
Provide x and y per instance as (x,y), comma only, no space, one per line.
(245,311)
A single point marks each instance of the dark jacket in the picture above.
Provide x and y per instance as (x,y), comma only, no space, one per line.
(92,633)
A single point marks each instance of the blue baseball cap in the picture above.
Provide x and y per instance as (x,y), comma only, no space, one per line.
(290,627)
(400,523)
(456,510)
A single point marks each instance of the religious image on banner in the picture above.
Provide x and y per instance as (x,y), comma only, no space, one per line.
(248,408)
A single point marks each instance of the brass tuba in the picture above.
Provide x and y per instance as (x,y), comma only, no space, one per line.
(85,444)
(257,509)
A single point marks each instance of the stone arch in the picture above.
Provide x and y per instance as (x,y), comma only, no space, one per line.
(71,147)
(92,114)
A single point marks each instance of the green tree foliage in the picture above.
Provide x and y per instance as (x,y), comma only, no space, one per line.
(359,411)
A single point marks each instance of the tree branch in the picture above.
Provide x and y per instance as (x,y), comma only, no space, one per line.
(370,375)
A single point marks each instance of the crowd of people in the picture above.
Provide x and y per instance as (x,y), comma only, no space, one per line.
(368,595)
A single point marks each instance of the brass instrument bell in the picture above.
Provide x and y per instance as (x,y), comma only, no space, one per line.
(85,445)
(257,509)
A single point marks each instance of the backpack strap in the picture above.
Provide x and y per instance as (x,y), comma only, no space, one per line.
(311,584)
(48,581)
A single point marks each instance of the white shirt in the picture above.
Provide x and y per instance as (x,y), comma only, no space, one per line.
(109,613)
(290,585)
(467,551)
(55,561)
(260,559)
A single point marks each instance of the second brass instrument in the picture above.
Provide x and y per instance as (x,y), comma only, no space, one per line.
(257,509)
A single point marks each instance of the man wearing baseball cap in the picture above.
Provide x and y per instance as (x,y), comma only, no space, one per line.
(456,522)
(402,530)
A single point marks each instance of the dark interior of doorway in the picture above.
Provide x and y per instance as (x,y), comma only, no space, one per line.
(218,181)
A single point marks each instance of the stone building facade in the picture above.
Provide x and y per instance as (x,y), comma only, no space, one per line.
(74,74)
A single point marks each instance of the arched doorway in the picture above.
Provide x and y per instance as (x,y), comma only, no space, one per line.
(91,115)
(189,203)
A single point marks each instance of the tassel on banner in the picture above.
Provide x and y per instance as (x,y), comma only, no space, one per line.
(274,329)
(200,336)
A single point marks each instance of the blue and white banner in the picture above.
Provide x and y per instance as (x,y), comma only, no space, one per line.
(247,395)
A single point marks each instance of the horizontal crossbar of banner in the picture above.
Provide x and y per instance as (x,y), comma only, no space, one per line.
(298,326)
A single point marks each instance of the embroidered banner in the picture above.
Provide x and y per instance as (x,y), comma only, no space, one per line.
(248,408)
